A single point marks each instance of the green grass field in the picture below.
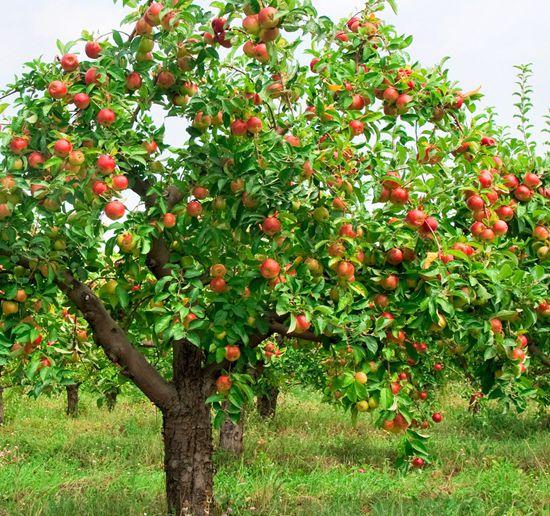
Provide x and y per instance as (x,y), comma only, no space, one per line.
(308,460)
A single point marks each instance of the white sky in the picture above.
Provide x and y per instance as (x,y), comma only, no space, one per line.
(484,38)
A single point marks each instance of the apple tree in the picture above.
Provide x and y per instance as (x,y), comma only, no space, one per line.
(327,198)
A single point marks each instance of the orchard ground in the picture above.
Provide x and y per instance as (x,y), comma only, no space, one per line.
(308,460)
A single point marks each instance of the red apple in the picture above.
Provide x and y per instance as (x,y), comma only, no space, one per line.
(69,62)
(120,182)
(57,89)
(115,210)
(92,49)
(62,148)
(81,100)
(269,268)
(106,117)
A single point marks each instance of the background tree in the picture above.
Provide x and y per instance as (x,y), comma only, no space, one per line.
(266,220)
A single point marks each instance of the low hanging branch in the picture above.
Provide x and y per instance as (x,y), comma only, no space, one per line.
(114,341)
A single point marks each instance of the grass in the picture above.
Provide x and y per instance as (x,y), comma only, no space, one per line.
(308,460)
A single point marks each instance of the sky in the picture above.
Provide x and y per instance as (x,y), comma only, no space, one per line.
(484,39)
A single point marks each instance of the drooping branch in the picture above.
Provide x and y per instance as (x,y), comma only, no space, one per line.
(108,334)
(114,341)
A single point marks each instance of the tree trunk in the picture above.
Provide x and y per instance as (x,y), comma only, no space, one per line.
(267,403)
(231,436)
(187,432)
(72,400)
(110,399)
(1,405)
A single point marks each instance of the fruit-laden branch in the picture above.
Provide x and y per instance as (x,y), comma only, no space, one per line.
(114,341)
(253,341)
(159,254)
(537,352)
(118,348)
(278,327)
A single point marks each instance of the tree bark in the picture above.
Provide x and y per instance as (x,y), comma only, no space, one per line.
(187,432)
(110,399)
(1,405)
(231,436)
(266,404)
(72,400)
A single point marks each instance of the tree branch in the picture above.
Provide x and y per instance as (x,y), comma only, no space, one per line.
(281,329)
(114,341)
(537,352)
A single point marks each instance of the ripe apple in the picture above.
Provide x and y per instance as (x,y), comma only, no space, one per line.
(92,49)
(19,144)
(62,148)
(99,187)
(69,62)
(485,178)
(437,417)
(238,127)
(152,15)
(232,353)
(500,227)
(522,341)
(346,230)
(254,125)
(487,141)
(271,225)
(390,94)
(531,180)
(390,282)
(218,285)
(106,117)
(510,181)
(81,101)
(402,102)
(523,193)
(251,24)
(357,127)
(541,233)
(218,24)
(223,384)
(57,89)
(115,210)
(415,218)
(475,203)
(358,102)
(165,80)
(260,53)
(106,163)
(133,81)
(417,462)
(267,18)
(76,158)
(218,270)
(120,182)
(505,212)
(487,234)
(194,208)
(302,324)
(270,269)
(345,270)
(361,377)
